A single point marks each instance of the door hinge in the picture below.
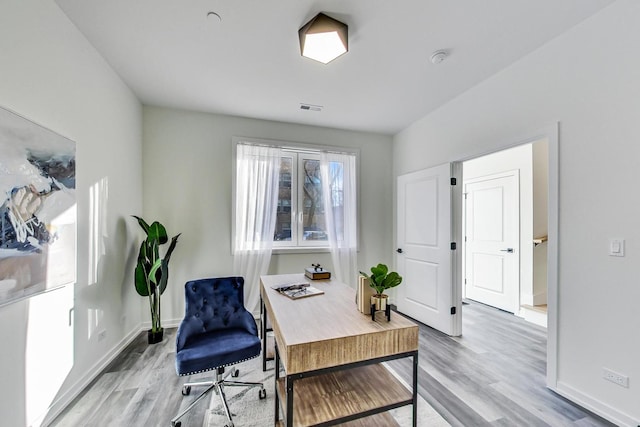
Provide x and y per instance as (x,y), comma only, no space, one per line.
(453,310)
(453,181)
(453,246)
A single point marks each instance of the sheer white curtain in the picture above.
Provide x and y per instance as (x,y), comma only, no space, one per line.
(257,172)
(338,174)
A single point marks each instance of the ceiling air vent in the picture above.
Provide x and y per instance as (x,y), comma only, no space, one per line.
(310,107)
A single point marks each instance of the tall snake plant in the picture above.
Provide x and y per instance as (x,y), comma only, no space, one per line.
(152,271)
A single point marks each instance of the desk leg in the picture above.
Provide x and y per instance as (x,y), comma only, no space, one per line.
(415,389)
(275,389)
(289,386)
(263,327)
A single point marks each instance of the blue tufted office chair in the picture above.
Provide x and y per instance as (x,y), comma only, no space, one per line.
(217,331)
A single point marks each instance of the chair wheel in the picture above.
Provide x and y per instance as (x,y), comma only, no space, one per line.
(186,390)
(262,394)
(235,373)
(178,424)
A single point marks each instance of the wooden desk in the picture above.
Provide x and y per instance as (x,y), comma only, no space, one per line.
(332,353)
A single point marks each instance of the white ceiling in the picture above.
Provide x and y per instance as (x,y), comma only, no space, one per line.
(248,64)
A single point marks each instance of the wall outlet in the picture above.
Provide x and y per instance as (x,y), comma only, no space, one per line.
(102,335)
(614,377)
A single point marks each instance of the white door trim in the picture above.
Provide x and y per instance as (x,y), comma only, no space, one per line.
(552,259)
(456,236)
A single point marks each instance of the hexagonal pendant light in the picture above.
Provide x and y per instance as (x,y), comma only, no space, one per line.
(323,39)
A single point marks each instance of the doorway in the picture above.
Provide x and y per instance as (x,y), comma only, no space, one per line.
(505,229)
(451,315)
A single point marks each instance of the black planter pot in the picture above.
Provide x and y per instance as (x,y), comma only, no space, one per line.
(155,337)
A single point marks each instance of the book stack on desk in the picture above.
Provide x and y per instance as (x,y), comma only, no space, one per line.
(363,295)
(317,273)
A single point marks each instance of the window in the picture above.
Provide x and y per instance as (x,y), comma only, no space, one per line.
(294,197)
(301,220)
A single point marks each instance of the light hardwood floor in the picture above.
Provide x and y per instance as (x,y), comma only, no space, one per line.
(491,376)
(139,388)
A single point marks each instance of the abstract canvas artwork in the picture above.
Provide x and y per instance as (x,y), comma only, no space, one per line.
(37,208)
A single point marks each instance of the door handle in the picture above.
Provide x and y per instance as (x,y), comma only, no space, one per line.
(508,250)
(399,250)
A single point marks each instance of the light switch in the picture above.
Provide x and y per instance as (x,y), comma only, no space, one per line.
(616,247)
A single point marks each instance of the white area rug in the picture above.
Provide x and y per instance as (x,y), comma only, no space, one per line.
(250,411)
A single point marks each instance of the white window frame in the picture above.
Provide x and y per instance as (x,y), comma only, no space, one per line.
(298,149)
(297,197)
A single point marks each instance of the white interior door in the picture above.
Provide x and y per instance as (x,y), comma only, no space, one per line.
(492,240)
(424,258)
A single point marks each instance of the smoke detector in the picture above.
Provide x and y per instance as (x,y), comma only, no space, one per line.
(215,17)
(438,56)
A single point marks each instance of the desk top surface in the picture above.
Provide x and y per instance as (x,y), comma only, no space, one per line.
(331,318)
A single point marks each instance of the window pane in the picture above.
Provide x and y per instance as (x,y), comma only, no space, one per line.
(283,219)
(313,222)
(336,182)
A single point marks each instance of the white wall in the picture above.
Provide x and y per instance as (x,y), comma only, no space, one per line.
(51,75)
(587,79)
(187,181)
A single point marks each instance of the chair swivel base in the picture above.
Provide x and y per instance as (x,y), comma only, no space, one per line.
(219,384)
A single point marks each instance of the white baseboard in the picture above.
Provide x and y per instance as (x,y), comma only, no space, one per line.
(534,316)
(526,299)
(65,399)
(171,323)
(605,411)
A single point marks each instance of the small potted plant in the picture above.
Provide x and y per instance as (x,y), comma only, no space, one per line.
(152,272)
(381,280)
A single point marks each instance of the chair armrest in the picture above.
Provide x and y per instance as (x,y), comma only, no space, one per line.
(248,323)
